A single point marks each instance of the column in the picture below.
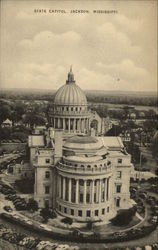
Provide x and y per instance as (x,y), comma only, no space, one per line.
(58,122)
(59,178)
(109,195)
(80,125)
(97,191)
(77,189)
(105,190)
(63,188)
(64,123)
(54,122)
(84,192)
(69,194)
(100,184)
(92,191)
(69,124)
(74,125)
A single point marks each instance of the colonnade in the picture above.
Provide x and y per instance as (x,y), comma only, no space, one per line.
(70,124)
(83,191)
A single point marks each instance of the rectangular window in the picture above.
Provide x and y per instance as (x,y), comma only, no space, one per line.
(80,213)
(65,210)
(96,212)
(103,195)
(46,203)
(88,213)
(59,208)
(95,197)
(103,210)
(88,198)
(119,174)
(81,198)
(108,209)
(118,189)
(119,161)
(47,160)
(81,182)
(118,202)
(47,189)
(88,182)
(72,211)
(47,174)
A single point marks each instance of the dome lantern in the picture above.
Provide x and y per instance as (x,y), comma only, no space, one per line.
(70,77)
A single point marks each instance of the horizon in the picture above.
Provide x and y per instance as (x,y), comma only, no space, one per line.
(85,90)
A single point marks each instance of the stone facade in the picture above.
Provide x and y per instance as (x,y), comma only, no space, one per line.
(82,176)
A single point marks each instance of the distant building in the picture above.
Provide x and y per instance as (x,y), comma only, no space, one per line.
(7,124)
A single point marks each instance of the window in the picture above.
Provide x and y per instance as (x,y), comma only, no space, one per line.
(96,212)
(71,108)
(47,174)
(118,202)
(65,210)
(46,203)
(107,209)
(76,108)
(72,211)
(81,198)
(47,160)
(95,198)
(88,213)
(67,108)
(80,213)
(119,161)
(88,182)
(103,195)
(81,182)
(103,210)
(88,198)
(59,208)
(119,174)
(118,189)
(47,189)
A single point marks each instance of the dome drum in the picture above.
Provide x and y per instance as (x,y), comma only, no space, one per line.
(85,169)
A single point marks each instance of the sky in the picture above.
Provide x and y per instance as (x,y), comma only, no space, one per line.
(107,51)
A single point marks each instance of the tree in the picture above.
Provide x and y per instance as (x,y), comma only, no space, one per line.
(32,205)
(5,112)
(45,214)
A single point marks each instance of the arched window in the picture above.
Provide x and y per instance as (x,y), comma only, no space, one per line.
(82,166)
(95,166)
(89,166)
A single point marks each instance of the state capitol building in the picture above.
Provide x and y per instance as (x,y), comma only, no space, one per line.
(78,171)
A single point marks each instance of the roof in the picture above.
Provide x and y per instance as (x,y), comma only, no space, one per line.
(83,142)
(112,142)
(82,139)
(7,121)
(70,93)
